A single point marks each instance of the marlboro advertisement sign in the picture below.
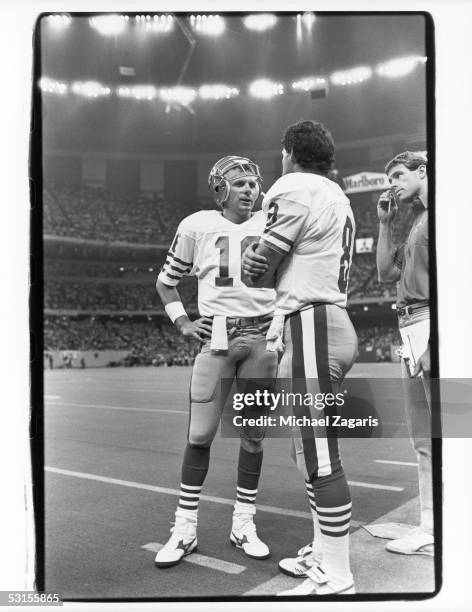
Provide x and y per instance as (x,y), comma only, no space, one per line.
(365,181)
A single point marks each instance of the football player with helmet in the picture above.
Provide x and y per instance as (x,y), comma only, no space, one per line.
(232,326)
(306,249)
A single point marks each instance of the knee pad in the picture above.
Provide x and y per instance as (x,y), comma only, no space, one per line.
(204,421)
(205,383)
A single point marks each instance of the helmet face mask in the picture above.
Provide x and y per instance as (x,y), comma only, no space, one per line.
(220,186)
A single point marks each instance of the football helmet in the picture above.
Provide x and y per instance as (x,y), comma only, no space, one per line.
(220,186)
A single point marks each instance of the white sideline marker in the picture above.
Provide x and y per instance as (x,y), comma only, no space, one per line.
(368,485)
(412,464)
(203,560)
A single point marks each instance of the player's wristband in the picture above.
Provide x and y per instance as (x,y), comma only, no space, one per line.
(175,310)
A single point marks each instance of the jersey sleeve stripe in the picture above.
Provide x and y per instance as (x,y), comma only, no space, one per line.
(186,264)
(279,237)
(164,278)
(169,265)
(282,249)
(172,276)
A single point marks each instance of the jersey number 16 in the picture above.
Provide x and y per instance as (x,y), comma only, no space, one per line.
(222,244)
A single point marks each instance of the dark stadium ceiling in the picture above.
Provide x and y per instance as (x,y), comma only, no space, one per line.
(375,108)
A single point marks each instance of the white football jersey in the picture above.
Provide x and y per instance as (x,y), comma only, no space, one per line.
(210,247)
(310,221)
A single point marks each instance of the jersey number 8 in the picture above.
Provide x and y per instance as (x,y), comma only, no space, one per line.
(345,261)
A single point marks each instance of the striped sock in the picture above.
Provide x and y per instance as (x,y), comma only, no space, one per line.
(249,470)
(245,500)
(194,471)
(333,506)
(188,500)
(317,539)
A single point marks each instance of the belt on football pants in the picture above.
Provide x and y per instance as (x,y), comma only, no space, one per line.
(248,321)
(412,308)
(221,324)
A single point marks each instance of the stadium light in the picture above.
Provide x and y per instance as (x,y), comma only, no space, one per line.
(155,23)
(260,22)
(263,88)
(354,75)
(212,25)
(109,24)
(308,19)
(179,95)
(217,92)
(59,22)
(138,92)
(400,66)
(90,89)
(299,28)
(52,86)
(308,83)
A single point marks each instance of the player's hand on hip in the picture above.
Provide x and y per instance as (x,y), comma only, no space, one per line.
(386,206)
(253,263)
(199,329)
(423,365)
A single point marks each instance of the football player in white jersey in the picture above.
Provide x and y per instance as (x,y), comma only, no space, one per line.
(307,248)
(232,327)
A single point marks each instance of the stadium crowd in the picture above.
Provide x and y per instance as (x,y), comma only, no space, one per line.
(157,342)
(111,296)
(379,338)
(149,342)
(94,213)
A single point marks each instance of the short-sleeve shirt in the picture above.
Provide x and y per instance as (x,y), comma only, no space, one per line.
(412,259)
(310,221)
(210,247)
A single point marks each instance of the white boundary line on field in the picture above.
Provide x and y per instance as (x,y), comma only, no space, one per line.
(409,463)
(108,407)
(176,492)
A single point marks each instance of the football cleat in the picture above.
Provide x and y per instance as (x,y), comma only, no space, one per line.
(244,536)
(181,543)
(415,542)
(318,583)
(297,566)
